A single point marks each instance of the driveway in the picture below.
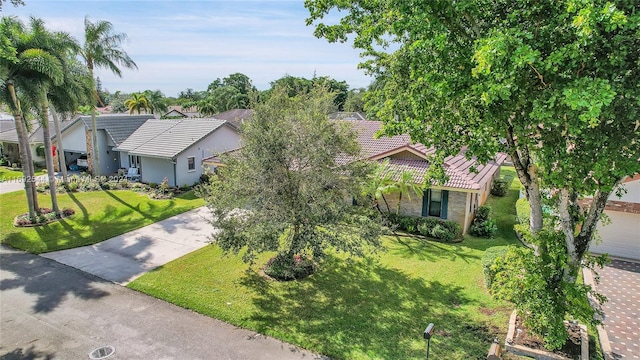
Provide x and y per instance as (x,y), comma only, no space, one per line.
(620,333)
(123,258)
(52,311)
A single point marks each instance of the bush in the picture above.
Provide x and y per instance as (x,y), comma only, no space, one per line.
(284,267)
(40,150)
(447,231)
(72,186)
(482,225)
(488,259)
(523,211)
(501,186)
(4,162)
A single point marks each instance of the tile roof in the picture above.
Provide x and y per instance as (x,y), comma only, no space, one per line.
(117,126)
(168,138)
(235,116)
(35,136)
(346,115)
(458,168)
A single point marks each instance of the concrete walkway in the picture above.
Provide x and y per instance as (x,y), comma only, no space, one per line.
(17,184)
(52,311)
(123,258)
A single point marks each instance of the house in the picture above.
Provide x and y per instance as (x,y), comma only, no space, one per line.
(621,237)
(456,200)
(179,112)
(235,116)
(112,131)
(9,147)
(174,149)
(347,115)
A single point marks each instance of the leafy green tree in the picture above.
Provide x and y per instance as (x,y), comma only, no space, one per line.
(300,86)
(286,189)
(157,101)
(116,101)
(102,49)
(137,102)
(557,81)
(355,100)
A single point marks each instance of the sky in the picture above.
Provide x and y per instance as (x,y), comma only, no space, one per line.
(188,44)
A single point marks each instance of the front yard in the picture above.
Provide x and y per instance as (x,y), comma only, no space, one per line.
(7,174)
(100,215)
(373,309)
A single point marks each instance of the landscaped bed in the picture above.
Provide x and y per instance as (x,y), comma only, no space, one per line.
(99,215)
(355,309)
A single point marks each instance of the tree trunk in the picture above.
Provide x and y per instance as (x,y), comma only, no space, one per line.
(528,176)
(398,205)
(94,130)
(61,156)
(23,146)
(48,155)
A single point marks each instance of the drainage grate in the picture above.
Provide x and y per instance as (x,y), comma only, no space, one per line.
(102,353)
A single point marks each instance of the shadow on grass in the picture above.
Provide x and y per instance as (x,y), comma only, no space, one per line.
(46,279)
(29,353)
(430,250)
(350,309)
(80,205)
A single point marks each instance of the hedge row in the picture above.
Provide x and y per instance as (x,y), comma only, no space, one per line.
(447,231)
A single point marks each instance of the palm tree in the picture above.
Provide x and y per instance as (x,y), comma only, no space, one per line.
(380,184)
(65,99)
(157,101)
(27,68)
(406,185)
(102,50)
(137,102)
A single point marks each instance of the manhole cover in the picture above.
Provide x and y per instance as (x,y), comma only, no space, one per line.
(102,353)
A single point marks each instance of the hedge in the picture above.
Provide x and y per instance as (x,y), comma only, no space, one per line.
(488,259)
(444,230)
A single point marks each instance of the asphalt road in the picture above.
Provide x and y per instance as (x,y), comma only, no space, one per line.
(52,311)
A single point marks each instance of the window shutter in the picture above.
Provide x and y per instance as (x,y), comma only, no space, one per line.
(445,204)
(425,202)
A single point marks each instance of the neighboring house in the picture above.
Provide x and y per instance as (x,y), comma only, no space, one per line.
(177,111)
(621,237)
(112,131)
(345,115)
(174,149)
(9,148)
(456,200)
(235,116)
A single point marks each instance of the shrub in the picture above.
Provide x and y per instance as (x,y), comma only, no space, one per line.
(15,165)
(153,185)
(523,211)
(439,229)
(4,162)
(42,187)
(488,259)
(40,150)
(482,225)
(501,186)
(284,267)
(72,186)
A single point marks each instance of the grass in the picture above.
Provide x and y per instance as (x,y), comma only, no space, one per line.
(100,215)
(366,309)
(8,174)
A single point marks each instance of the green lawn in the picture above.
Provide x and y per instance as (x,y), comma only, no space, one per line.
(99,215)
(8,174)
(374,309)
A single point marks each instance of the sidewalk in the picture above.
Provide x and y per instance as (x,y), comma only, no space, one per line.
(125,257)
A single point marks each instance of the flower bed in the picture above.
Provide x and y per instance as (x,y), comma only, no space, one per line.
(46,216)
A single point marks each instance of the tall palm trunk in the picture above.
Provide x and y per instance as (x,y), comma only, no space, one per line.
(94,130)
(61,156)
(25,158)
(48,155)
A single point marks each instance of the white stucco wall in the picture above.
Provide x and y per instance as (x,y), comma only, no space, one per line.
(154,170)
(221,140)
(74,138)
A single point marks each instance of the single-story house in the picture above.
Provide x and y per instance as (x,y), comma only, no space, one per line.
(179,112)
(235,116)
(174,149)
(9,148)
(456,200)
(621,237)
(347,115)
(112,131)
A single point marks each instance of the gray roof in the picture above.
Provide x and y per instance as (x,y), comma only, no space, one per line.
(119,127)
(345,115)
(168,138)
(235,116)
(35,136)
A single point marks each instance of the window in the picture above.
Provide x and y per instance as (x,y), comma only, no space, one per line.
(435,203)
(134,161)
(191,162)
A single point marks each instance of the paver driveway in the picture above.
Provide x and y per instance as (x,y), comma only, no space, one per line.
(620,283)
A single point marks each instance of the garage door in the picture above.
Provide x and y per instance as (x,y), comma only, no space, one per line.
(621,237)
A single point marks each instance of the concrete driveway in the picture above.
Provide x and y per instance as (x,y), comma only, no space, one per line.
(52,311)
(123,258)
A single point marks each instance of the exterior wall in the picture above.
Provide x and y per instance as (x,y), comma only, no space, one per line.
(221,140)
(154,170)
(124,159)
(632,195)
(406,155)
(74,139)
(457,206)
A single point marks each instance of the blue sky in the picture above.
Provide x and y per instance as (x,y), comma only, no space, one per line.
(188,44)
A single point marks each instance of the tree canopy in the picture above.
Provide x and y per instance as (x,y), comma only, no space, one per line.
(553,84)
(286,189)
